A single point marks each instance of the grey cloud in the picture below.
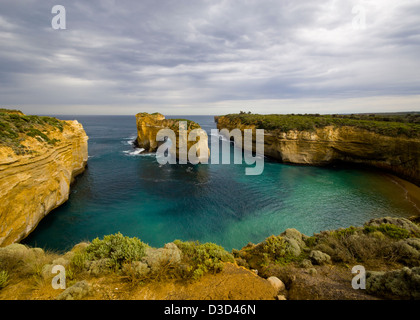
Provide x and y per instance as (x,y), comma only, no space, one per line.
(189,52)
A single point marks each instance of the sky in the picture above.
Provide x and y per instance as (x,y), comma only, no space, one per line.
(210,57)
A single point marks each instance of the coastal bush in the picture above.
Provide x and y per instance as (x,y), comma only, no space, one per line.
(15,125)
(4,277)
(383,240)
(401,284)
(276,249)
(36,133)
(203,258)
(273,250)
(344,232)
(393,125)
(117,248)
(78,261)
(311,241)
(389,230)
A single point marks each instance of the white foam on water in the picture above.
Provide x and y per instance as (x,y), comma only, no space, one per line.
(130,138)
(136,152)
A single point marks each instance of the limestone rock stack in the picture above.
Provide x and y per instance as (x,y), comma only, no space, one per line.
(148,126)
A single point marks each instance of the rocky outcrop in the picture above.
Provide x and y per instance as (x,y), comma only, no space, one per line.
(35,182)
(148,126)
(76,292)
(331,144)
(319,257)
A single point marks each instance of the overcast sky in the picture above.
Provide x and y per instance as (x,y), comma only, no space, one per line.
(210,57)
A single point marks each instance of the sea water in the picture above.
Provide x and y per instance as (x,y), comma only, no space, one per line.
(126,190)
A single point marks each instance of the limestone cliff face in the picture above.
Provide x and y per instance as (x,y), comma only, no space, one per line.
(34,183)
(148,126)
(399,155)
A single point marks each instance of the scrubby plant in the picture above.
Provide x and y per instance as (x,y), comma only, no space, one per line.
(273,250)
(277,249)
(392,125)
(366,245)
(274,246)
(311,241)
(77,263)
(14,126)
(203,258)
(344,232)
(389,230)
(117,248)
(4,278)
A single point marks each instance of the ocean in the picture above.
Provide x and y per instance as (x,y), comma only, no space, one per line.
(125,191)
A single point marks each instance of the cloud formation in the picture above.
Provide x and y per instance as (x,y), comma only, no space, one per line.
(210,57)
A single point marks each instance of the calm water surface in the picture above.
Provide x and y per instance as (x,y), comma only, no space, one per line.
(122,191)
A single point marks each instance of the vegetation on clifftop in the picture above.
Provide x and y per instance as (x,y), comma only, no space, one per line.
(379,245)
(389,125)
(15,127)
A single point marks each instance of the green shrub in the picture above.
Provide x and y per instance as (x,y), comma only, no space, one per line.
(389,230)
(117,248)
(273,250)
(311,241)
(36,133)
(392,125)
(78,261)
(358,247)
(277,249)
(4,277)
(203,258)
(14,127)
(274,247)
(343,233)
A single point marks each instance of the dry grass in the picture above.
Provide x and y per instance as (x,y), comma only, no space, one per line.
(25,264)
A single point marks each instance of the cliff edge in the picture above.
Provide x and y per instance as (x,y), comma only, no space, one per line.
(39,158)
(335,141)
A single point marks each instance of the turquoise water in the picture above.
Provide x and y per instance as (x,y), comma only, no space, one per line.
(135,195)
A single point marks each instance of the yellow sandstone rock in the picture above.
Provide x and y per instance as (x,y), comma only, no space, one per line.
(399,155)
(148,126)
(34,183)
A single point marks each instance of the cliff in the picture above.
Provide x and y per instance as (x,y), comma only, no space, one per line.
(148,126)
(39,158)
(329,144)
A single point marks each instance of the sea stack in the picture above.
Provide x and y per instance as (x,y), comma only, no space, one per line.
(148,126)
(39,159)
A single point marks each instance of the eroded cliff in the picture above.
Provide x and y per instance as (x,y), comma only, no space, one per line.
(331,144)
(148,126)
(39,158)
